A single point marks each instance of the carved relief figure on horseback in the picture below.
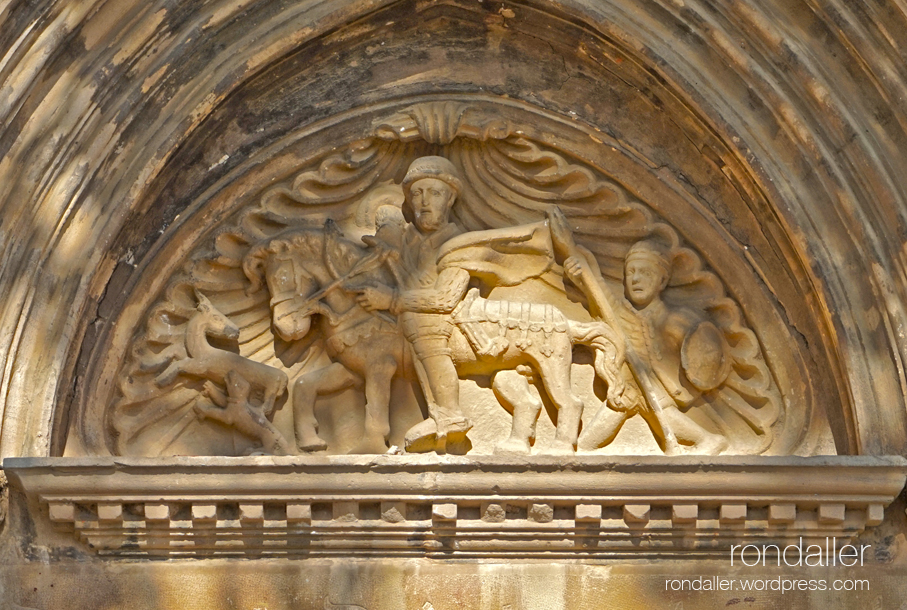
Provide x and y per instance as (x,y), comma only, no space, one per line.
(409,305)
(426,276)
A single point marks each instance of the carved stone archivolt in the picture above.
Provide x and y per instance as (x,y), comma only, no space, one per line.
(452,281)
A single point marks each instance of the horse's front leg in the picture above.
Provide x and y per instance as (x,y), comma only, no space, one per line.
(378,379)
(306,389)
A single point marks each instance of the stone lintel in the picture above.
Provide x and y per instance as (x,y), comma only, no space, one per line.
(584,506)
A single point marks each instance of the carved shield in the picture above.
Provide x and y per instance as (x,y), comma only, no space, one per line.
(705,357)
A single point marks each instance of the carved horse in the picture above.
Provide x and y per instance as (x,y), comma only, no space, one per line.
(215,364)
(306,272)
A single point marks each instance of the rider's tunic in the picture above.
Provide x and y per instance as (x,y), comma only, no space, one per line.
(428,294)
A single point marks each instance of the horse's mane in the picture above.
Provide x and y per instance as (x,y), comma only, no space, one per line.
(307,242)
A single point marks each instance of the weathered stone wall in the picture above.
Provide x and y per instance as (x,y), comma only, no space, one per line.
(783,122)
(796,106)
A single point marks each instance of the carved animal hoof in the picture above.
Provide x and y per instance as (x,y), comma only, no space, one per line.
(560,448)
(368,446)
(512,446)
(311,444)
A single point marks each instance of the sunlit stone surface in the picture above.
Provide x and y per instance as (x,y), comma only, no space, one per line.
(452,304)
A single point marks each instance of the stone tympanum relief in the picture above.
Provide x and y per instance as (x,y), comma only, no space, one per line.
(448,284)
(419,318)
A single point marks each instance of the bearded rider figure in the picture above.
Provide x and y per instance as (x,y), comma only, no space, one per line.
(427,294)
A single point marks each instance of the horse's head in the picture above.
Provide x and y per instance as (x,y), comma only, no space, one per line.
(290,288)
(215,323)
(278,264)
(302,268)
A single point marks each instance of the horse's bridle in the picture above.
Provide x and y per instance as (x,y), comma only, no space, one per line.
(364,264)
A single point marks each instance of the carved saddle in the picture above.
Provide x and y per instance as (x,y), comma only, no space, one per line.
(485,322)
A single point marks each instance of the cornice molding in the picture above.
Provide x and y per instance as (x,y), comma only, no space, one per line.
(456,506)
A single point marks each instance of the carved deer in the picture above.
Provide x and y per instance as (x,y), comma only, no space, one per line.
(212,363)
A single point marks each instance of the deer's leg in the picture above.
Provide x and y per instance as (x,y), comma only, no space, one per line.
(192,366)
(169,374)
(274,384)
(273,440)
(306,389)
(208,411)
(253,423)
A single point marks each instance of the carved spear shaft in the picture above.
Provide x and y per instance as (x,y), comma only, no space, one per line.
(364,264)
(565,245)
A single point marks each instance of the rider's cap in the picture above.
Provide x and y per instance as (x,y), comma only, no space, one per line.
(432,167)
